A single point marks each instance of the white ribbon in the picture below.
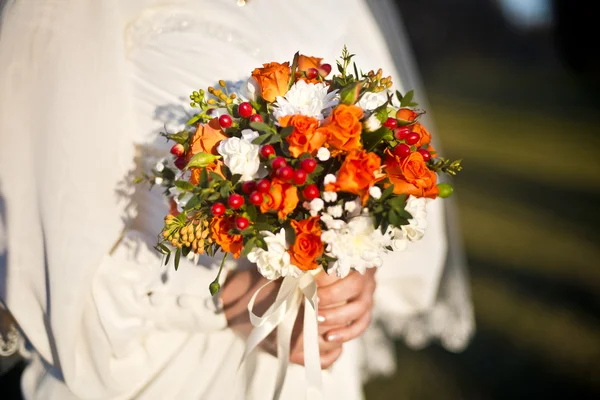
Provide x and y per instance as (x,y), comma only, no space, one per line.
(281,315)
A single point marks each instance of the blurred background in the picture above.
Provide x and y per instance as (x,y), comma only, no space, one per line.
(514,89)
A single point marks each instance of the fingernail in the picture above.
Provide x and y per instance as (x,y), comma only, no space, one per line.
(321,318)
(318,300)
(333,338)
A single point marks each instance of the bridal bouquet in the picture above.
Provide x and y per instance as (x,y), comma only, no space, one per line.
(299,169)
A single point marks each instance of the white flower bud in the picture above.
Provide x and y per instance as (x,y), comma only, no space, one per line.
(350,206)
(158,180)
(329,197)
(317,204)
(329,178)
(335,211)
(375,192)
(160,166)
(323,154)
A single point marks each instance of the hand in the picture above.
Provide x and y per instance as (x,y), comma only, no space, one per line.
(345,305)
(236,294)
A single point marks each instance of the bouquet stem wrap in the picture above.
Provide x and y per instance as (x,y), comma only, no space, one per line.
(281,315)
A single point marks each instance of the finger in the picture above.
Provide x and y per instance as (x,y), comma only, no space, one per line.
(329,358)
(325,349)
(324,279)
(341,291)
(351,332)
(346,313)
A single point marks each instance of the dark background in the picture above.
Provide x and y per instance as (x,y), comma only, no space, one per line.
(518,99)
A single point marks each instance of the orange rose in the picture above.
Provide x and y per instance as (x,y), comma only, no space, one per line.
(357,174)
(306,62)
(308,246)
(214,167)
(425,136)
(305,138)
(219,229)
(206,139)
(343,128)
(273,80)
(283,198)
(410,175)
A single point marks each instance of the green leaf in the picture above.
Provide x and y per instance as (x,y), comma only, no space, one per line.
(235,178)
(381,113)
(179,137)
(261,139)
(260,242)
(226,171)
(275,138)
(185,251)
(407,99)
(252,212)
(201,160)
(224,191)
(387,192)
(399,95)
(287,131)
(248,231)
(248,247)
(167,258)
(203,178)
(194,201)
(290,233)
(215,177)
(184,185)
(261,127)
(398,202)
(371,139)
(394,218)
(177,258)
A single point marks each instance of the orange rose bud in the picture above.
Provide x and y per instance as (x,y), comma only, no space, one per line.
(343,128)
(219,230)
(406,115)
(308,246)
(357,174)
(410,175)
(273,80)
(214,167)
(306,62)
(305,138)
(206,139)
(282,197)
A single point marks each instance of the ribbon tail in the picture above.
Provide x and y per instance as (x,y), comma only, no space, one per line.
(312,357)
(284,342)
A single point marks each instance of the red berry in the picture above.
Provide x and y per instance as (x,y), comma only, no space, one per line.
(256,118)
(391,123)
(312,73)
(324,70)
(249,187)
(245,109)
(242,223)
(263,186)
(308,164)
(412,138)
(401,132)
(225,121)
(217,209)
(177,150)
(256,198)
(300,176)
(267,150)
(278,162)
(402,150)
(180,163)
(285,173)
(311,192)
(426,155)
(235,201)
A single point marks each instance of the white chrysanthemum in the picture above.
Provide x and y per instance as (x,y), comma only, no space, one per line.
(356,245)
(330,197)
(375,192)
(310,99)
(372,123)
(370,100)
(323,154)
(274,262)
(240,155)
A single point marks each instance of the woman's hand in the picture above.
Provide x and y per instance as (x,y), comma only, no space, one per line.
(345,305)
(236,294)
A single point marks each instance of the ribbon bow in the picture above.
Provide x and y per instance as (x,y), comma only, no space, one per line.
(281,315)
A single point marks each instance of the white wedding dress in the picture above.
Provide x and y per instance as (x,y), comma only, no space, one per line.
(86,88)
